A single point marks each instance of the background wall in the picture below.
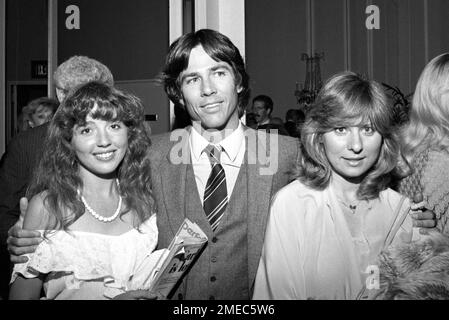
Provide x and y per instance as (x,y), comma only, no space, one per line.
(130,37)
(276,36)
(26,37)
(277,32)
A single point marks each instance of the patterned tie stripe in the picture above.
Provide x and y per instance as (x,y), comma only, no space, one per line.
(215,194)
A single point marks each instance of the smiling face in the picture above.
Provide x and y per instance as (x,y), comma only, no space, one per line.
(352,151)
(100,145)
(261,113)
(209,91)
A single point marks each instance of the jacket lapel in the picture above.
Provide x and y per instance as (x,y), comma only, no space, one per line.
(173,182)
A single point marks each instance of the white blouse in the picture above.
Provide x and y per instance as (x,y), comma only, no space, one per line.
(309,251)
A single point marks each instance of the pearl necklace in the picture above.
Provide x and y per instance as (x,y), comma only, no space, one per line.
(96,215)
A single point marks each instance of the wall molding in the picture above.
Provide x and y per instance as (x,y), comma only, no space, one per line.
(52,44)
(309,23)
(426,30)
(175,21)
(370,48)
(347,34)
(3,76)
(201,14)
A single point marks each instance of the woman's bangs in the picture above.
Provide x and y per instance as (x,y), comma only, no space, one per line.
(358,113)
(107,111)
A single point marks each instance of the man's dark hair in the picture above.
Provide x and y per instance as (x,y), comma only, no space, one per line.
(295,115)
(218,47)
(267,101)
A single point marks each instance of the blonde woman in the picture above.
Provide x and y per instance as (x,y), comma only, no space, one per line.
(327,228)
(425,141)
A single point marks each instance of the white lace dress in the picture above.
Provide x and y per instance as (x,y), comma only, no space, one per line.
(84,265)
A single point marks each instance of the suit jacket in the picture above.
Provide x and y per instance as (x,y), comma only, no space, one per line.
(16,171)
(170,156)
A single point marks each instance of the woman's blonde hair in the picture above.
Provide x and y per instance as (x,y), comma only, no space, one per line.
(348,99)
(429,114)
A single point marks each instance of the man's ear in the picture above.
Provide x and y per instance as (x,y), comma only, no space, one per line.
(181,101)
(239,88)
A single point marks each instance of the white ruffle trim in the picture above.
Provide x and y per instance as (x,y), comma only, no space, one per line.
(123,262)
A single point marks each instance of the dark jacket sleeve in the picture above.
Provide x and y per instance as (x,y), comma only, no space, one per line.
(13,184)
(16,170)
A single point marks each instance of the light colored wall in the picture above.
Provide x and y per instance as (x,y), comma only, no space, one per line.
(225,16)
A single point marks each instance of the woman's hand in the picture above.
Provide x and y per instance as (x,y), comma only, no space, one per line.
(136,295)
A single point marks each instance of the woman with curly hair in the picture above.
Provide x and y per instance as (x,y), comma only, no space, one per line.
(327,228)
(426,141)
(91,198)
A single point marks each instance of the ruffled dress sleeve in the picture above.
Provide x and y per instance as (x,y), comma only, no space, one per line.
(115,263)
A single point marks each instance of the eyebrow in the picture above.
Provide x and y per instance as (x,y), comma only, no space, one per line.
(220,65)
(83,124)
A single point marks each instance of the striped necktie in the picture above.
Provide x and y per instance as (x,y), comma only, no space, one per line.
(215,194)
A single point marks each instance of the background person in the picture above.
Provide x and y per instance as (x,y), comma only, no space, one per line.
(294,118)
(40,111)
(262,108)
(426,141)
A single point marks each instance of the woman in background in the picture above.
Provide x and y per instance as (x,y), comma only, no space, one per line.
(39,111)
(426,141)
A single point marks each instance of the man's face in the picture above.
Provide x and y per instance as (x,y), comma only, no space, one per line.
(61,92)
(209,91)
(260,112)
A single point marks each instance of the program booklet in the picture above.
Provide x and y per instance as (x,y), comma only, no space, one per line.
(173,263)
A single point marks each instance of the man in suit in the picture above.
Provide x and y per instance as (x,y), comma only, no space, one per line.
(262,108)
(205,73)
(23,152)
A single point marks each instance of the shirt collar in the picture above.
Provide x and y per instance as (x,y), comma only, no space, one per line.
(230,145)
(266,121)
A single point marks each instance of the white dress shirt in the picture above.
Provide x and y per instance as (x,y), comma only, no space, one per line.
(233,152)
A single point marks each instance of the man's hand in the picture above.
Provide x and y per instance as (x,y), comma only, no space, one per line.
(136,295)
(22,241)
